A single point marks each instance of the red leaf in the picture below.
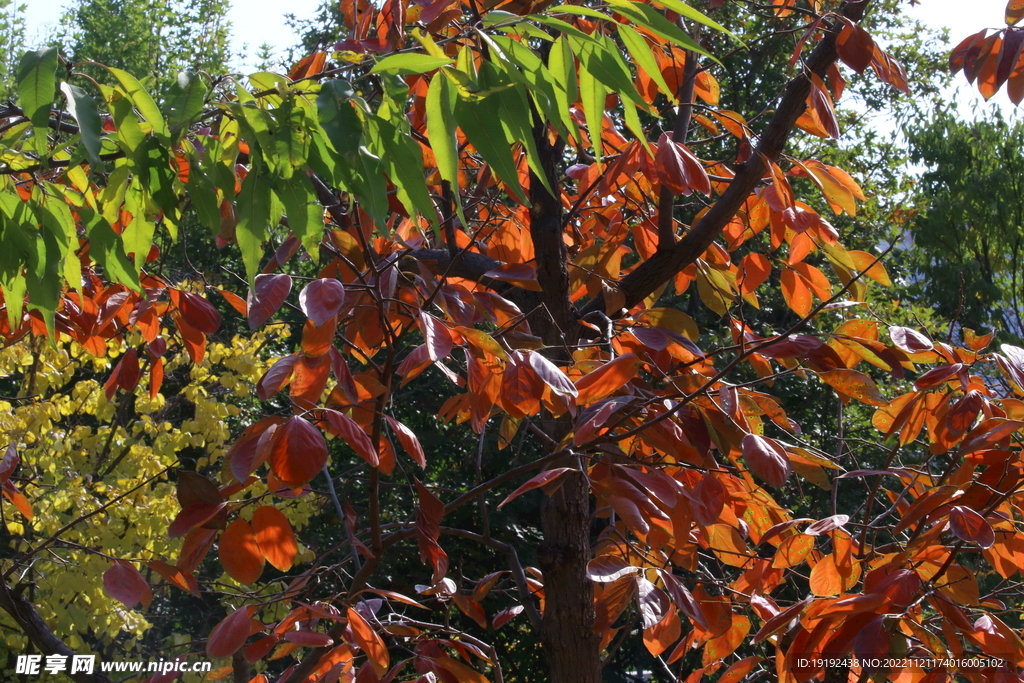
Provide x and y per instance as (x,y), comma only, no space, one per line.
(124,582)
(969,526)
(309,638)
(766,459)
(261,648)
(196,311)
(823,526)
(541,479)
(200,501)
(124,375)
(321,300)
(8,464)
(855,47)
(239,553)
(821,102)
(275,537)
(937,375)
(429,513)
(678,169)
(409,442)
(275,379)
(552,376)
(298,452)
(175,576)
(436,337)
(754,269)
(344,427)
(267,297)
(506,615)
(156,377)
(369,642)
(909,340)
(989,433)
(230,634)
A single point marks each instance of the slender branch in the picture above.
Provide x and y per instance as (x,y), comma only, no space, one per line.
(660,268)
(666,224)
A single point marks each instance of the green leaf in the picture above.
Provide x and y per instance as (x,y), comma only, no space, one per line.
(404,162)
(441,133)
(138,234)
(604,62)
(592,94)
(690,13)
(562,26)
(253,217)
(106,249)
(305,214)
(58,220)
(153,167)
(538,80)
(291,139)
(126,121)
(644,59)
(185,101)
(562,65)
(204,197)
(82,107)
(142,100)
(645,15)
(255,125)
(409,63)
(338,117)
(36,85)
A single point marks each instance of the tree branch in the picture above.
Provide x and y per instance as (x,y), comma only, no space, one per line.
(666,200)
(661,267)
(25,614)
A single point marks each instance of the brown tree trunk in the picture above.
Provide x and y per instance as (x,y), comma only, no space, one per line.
(569,640)
(570,644)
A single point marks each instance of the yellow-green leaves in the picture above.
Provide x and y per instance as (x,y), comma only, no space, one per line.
(142,101)
(409,63)
(337,117)
(253,218)
(185,102)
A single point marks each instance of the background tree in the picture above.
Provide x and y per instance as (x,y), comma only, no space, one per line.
(151,39)
(12,43)
(499,199)
(969,228)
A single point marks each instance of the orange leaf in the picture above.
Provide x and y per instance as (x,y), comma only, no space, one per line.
(722,646)
(275,537)
(239,553)
(369,642)
(660,637)
(854,384)
(612,375)
(796,293)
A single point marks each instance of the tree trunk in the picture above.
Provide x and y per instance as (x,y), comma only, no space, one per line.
(570,644)
(569,640)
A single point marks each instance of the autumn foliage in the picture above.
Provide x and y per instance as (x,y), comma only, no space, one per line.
(507,205)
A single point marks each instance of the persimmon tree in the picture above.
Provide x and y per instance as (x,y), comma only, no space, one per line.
(496,199)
